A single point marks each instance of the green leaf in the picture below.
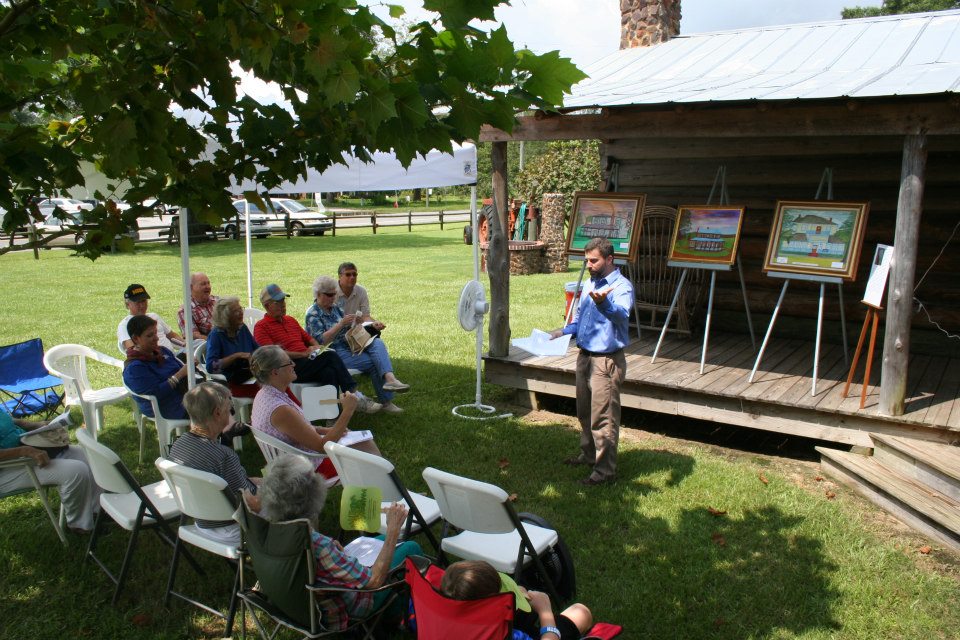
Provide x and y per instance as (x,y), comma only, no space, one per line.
(396,10)
(550,76)
(455,14)
(342,87)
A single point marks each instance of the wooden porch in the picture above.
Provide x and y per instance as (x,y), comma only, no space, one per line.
(778,400)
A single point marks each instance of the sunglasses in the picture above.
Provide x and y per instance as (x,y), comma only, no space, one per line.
(328,293)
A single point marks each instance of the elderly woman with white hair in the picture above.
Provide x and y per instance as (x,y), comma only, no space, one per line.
(229,346)
(290,490)
(327,324)
(209,406)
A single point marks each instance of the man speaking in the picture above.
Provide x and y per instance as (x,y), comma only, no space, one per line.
(601,325)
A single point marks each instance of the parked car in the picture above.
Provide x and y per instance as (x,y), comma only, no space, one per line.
(51,225)
(303,220)
(68,205)
(259,226)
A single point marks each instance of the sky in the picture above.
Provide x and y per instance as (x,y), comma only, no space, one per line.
(587,30)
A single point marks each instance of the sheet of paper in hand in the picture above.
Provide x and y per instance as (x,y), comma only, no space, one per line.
(540,344)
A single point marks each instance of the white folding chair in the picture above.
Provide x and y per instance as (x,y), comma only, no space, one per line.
(69,361)
(491,529)
(205,496)
(129,505)
(251,316)
(362,469)
(28,464)
(165,426)
(242,406)
(272,447)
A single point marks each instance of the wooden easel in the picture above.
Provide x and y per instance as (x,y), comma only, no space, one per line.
(872,319)
(719,182)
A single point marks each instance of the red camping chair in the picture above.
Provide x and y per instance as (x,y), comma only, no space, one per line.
(438,617)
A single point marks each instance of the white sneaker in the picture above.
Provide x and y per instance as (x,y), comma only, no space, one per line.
(389,407)
(366,405)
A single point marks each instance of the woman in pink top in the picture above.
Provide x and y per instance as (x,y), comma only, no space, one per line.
(278,415)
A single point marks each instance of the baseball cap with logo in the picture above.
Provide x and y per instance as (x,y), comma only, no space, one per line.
(136,293)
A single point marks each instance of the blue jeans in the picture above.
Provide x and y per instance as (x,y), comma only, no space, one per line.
(374,361)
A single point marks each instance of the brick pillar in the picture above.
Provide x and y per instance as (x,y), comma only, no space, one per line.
(552,213)
(647,22)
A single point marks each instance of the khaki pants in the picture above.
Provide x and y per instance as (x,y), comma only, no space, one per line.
(599,377)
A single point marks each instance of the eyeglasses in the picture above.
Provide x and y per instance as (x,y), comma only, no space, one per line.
(349,274)
(328,293)
(284,366)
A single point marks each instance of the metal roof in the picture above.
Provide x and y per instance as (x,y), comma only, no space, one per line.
(913,54)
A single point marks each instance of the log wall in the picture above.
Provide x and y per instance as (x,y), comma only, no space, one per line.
(761,170)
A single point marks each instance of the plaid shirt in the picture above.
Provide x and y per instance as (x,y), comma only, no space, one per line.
(320,321)
(202,314)
(339,569)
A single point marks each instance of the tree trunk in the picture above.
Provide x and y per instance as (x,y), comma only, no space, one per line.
(896,342)
(498,259)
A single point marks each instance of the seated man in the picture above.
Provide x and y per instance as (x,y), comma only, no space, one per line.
(201,307)
(68,470)
(327,323)
(351,297)
(311,362)
(135,298)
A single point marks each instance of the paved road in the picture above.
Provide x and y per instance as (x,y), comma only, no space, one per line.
(155,228)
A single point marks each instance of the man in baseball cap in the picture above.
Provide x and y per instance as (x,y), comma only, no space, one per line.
(135,298)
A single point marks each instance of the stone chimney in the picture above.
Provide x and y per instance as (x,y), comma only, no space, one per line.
(647,22)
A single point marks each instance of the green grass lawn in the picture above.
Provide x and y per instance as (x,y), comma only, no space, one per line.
(783,562)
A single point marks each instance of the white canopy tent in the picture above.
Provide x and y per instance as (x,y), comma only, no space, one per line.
(385,173)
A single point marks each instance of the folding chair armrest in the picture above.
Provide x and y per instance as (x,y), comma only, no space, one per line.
(20,461)
(324,588)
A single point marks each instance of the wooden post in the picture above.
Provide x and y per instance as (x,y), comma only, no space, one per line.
(441,219)
(409,220)
(903,266)
(333,229)
(373,222)
(498,257)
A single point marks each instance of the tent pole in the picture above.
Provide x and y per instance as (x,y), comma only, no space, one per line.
(187,311)
(249,248)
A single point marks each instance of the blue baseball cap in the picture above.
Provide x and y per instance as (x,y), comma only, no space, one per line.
(273,292)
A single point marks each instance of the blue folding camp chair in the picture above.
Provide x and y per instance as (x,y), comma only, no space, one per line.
(26,387)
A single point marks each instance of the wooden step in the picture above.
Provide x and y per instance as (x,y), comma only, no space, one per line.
(936,465)
(919,506)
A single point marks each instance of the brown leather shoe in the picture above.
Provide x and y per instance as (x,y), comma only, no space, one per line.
(591,481)
(575,461)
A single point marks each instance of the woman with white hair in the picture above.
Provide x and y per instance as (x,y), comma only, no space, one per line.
(209,407)
(229,346)
(327,324)
(291,490)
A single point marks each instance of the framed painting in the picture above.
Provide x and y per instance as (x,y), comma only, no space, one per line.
(706,234)
(611,215)
(817,238)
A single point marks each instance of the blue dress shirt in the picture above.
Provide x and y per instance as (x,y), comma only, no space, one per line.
(606,328)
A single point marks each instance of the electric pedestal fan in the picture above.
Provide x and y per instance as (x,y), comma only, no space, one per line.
(471,309)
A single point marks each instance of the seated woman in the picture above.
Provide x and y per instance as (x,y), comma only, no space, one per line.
(229,346)
(276,414)
(327,324)
(291,490)
(476,579)
(154,371)
(209,407)
(68,470)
